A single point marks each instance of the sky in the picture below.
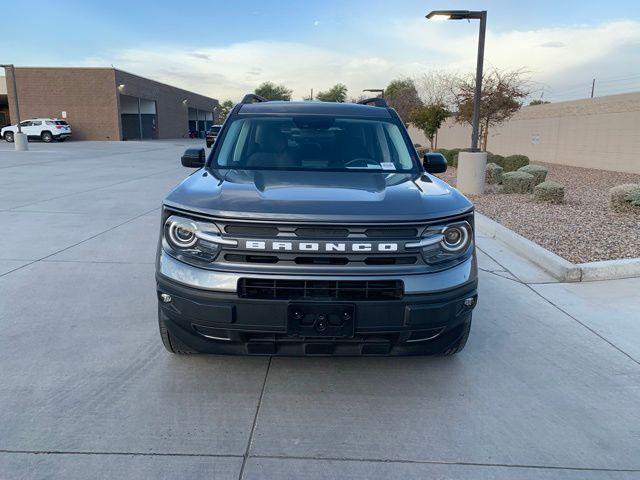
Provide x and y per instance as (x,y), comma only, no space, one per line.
(224,49)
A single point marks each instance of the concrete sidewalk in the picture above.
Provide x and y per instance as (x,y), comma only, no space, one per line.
(547,388)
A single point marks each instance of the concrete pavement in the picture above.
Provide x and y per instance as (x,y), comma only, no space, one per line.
(548,386)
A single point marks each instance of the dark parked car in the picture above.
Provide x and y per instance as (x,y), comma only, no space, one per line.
(313,228)
(211,135)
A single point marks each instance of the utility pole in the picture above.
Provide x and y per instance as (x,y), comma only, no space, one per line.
(593,86)
(19,139)
(312,94)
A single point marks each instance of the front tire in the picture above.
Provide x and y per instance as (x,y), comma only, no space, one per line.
(460,342)
(8,136)
(46,137)
(171,344)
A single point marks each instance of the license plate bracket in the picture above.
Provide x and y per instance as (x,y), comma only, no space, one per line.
(321,319)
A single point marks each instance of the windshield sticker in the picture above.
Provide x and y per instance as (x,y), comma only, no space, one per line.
(388,166)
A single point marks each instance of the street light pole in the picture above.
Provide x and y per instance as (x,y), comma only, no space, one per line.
(19,139)
(15,91)
(375,90)
(471,165)
(478,93)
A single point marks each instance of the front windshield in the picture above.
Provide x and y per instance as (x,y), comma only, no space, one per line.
(316,142)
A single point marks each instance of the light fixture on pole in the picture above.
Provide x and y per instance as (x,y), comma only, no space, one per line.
(375,90)
(471,165)
(19,139)
(469,15)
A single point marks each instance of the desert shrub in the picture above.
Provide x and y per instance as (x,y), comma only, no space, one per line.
(514,162)
(417,145)
(625,198)
(633,197)
(495,158)
(549,191)
(538,171)
(494,174)
(452,157)
(517,182)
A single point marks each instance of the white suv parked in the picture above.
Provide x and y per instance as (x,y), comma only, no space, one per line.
(45,129)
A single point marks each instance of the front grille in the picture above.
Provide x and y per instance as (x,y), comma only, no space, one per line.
(320,289)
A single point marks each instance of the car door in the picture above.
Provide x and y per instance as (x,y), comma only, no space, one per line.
(27,128)
(35,129)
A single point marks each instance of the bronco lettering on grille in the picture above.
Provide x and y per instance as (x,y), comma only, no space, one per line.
(321,246)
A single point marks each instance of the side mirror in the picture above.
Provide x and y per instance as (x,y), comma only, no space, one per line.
(434,163)
(193,158)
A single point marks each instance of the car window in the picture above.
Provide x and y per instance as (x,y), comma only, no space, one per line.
(35,123)
(314,142)
(26,123)
(61,122)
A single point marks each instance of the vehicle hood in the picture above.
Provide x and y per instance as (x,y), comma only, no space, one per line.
(317,196)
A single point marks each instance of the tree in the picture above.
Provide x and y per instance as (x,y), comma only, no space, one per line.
(501,97)
(223,110)
(271,91)
(429,118)
(402,95)
(538,102)
(337,93)
(436,87)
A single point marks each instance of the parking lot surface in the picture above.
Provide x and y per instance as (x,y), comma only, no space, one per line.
(547,388)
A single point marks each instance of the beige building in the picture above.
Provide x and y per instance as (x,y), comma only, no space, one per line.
(601,132)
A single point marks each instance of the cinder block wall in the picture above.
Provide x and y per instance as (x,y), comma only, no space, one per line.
(172,112)
(88,95)
(601,132)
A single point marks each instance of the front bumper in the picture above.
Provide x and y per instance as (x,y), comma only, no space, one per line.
(206,313)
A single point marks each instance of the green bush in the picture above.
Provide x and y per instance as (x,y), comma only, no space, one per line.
(633,197)
(495,158)
(452,157)
(549,191)
(493,174)
(538,171)
(514,162)
(517,182)
(625,198)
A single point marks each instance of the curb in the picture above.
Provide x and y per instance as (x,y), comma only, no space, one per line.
(557,266)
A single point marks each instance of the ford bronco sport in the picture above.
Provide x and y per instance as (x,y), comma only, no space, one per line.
(313,228)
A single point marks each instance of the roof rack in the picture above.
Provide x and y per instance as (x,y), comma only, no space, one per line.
(375,102)
(253,98)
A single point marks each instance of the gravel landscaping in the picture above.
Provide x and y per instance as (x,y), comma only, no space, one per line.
(582,229)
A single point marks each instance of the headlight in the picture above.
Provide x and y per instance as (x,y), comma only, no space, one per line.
(442,243)
(184,237)
(181,232)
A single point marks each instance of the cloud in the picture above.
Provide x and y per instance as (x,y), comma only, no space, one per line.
(551,55)
(553,44)
(233,70)
(538,51)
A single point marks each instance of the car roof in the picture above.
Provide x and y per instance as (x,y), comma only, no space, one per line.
(315,108)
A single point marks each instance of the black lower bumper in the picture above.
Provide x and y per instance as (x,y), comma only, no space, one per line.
(216,322)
